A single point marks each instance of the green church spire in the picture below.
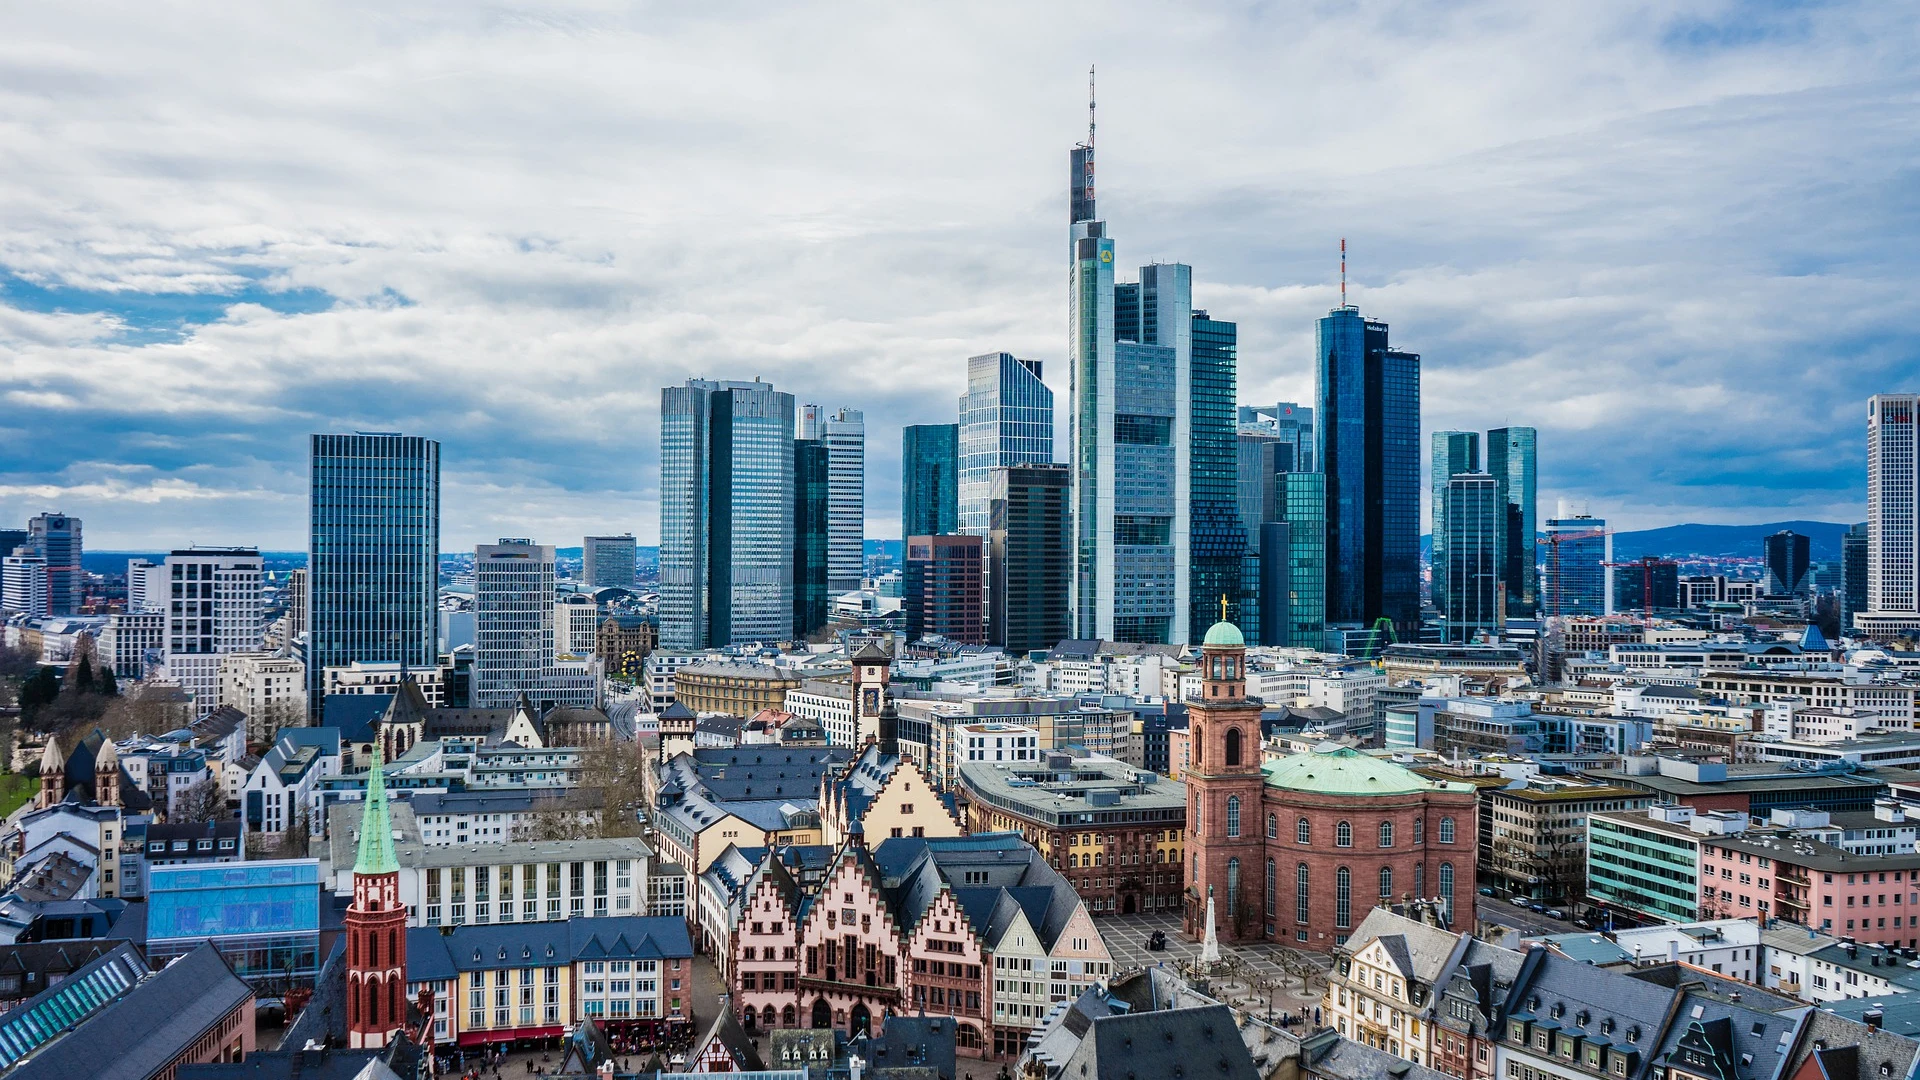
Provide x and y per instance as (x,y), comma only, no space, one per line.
(376,828)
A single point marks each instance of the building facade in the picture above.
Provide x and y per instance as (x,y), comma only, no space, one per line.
(608,560)
(1301,503)
(513,628)
(1893,501)
(213,607)
(1006,420)
(1475,521)
(1575,585)
(930,479)
(373,516)
(1217,540)
(812,515)
(271,689)
(943,588)
(55,539)
(1513,462)
(1029,565)
(844,434)
(1451,453)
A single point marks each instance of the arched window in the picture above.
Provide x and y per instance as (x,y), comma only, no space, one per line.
(1273,888)
(1273,826)
(373,950)
(393,946)
(1419,830)
(766,1016)
(1386,834)
(1233,746)
(1302,893)
(1233,887)
(1196,870)
(1198,743)
(373,1002)
(1233,816)
(1386,883)
(786,1016)
(1419,879)
(1343,835)
(1303,831)
(1343,897)
(1196,813)
(1446,888)
(1073,860)
(1446,830)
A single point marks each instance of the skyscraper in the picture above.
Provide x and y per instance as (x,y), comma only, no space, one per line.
(513,645)
(1260,454)
(844,434)
(55,539)
(1367,416)
(373,553)
(1217,538)
(1787,554)
(1512,459)
(1453,453)
(930,479)
(726,514)
(1301,501)
(608,560)
(212,600)
(1578,549)
(1006,419)
(1893,534)
(811,494)
(1853,575)
(1292,423)
(1028,560)
(941,588)
(1475,521)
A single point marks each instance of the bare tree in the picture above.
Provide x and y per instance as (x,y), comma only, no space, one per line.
(609,801)
(204,801)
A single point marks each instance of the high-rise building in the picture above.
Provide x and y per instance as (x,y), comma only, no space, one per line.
(844,433)
(1476,520)
(55,539)
(941,588)
(1513,461)
(296,603)
(726,514)
(23,585)
(608,560)
(1453,453)
(10,539)
(373,553)
(1300,500)
(1292,424)
(1853,575)
(1006,419)
(1367,435)
(1578,549)
(1028,562)
(1647,573)
(213,607)
(1893,533)
(811,494)
(1217,537)
(513,643)
(146,586)
(1259,456)
(1788,555)
(930,480)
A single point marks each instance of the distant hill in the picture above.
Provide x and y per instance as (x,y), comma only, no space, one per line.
(1720,540)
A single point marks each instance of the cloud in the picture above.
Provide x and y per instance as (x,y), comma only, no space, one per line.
(1677,239)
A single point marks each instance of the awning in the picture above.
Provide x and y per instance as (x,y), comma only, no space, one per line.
(500,1035)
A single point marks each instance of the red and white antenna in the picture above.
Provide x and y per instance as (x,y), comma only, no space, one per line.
(1089,106)
(1343,271)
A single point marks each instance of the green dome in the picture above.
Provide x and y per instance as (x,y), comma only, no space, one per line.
(1345,771)
(1226,635)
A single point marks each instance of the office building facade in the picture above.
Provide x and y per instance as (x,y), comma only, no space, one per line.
(1512,460)
(1367,416)
(373,553)
(609,560)
(930,479)
(1217,536)
(1853,575)
(1451,453)
(56,540)
(1893,500)
(1575,583)
(1006,419)
(1260,455)
(1301,502)
(812,501)
(1028,563)
(23,586)
(513,611)
(1291,423)
(943,587)
(844,433)
(1476,517)
(1788,555)
(213,607)
(726,514)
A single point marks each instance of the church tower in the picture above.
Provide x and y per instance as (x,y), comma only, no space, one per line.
(872,672)
(53,774)
(376,926)
(1226,824)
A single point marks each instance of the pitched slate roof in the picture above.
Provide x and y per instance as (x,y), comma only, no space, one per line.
(1628,1012)
(726,1031)
(915,1042)
(433,955)
(1196,1044)
(138,1035)
(355,715)
(323,1064)
(1849,1050)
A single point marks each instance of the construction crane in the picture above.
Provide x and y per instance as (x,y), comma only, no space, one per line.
(1377,645)
(1645,565)
(1553,542)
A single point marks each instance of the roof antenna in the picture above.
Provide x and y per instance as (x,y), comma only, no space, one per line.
(1343,271)
(1089,106)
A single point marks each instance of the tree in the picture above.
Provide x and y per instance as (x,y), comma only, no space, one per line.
(82,681)
(609,801)
(204,801)
(107,685)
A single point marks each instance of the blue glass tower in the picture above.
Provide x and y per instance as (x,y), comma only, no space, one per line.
(373,553)
(1006,419)
(1217,536)
(1367,440)
(1511,458)
(930,480)
(1475,525)
(812,501)
(1453,452)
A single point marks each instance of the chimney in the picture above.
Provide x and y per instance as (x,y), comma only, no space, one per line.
(1673,951)
(1873,1017)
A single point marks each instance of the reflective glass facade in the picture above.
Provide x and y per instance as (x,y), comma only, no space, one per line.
(1301,502)
(1853,575)
(264,917)
(1452,452)
(726,514)
(373,553)
(1367,408)
(1475,522)
(1006,419)
(1576,581)
(811,493)
(844,434)
(930,478)
(1027,561)
(1512,460)
(1218,535)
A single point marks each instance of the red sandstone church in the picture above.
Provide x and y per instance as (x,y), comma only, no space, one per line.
(1299,849)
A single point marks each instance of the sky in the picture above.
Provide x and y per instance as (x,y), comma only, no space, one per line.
(1677,238)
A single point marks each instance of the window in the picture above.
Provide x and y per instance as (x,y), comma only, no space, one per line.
(1233,816)
(1386,883)
(1343,896)
(1343,835)
(1273,826)
(1302,893)
(1446,887)
(1446,830)
(1302,832)
(1233,746)
(1233,887)
(1273,887)
(1419,830)
(1386,834)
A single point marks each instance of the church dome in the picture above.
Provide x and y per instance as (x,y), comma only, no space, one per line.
(1345,771)
(1225,635)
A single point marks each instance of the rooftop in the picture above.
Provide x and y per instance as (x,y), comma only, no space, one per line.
(1345,771)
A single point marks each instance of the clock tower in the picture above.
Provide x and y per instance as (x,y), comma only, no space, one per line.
(1225,818)
(872,671)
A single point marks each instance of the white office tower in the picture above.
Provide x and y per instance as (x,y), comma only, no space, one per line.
(146,586)
(845,435)
(213,606)
(608,560)
(1893,535)
(55,538)
(512,622)
(23,586)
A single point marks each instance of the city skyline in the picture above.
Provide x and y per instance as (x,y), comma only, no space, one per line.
(330,296)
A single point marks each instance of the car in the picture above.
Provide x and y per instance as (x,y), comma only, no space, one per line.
(1486,891)
(1537,908)
(1556,913)
(1520,901)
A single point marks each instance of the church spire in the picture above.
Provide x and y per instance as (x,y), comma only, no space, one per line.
(376,827)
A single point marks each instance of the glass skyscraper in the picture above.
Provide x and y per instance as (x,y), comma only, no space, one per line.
(1367,432)
(1475,521)
(1788,555)
(1578,548)
(608,560)
(844,434)
(726,514)
(1853,575)
(373,553)
(1006,419)
(1218,538)
(811,489)
(1453,452)
(929,480)
(1292,423)
(1513,462)
(1027,558)
(1300,500)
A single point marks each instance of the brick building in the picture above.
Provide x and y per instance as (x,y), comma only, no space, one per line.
(1301,848)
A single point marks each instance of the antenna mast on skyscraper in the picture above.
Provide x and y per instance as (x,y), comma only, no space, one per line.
(1089,106)
(1343,271)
